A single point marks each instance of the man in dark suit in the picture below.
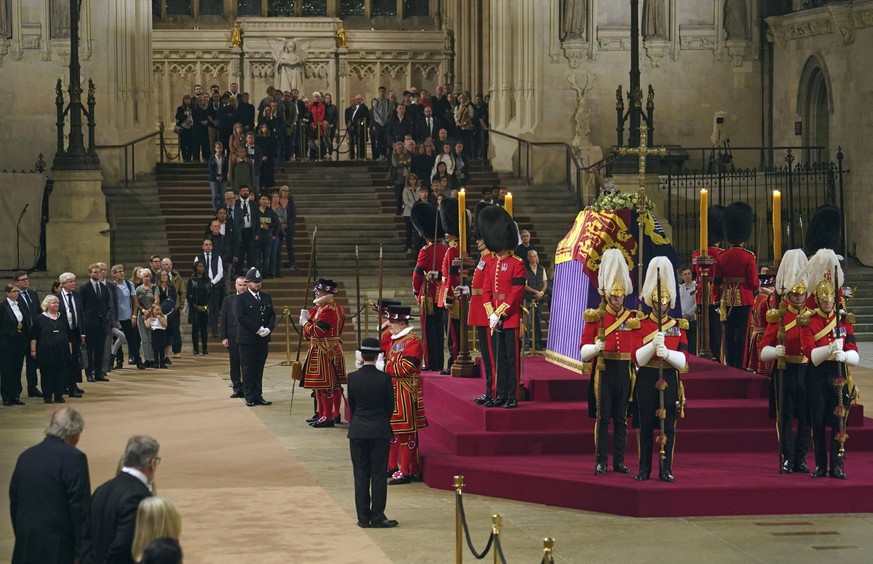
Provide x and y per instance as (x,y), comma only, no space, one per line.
(244,223)
(28,300)
(71,312)
(112,515)
(14,338)
(228,336)
(427,126)
(215,274)
(399,126)
(255,317)
(97,319)
(357,119)
(49,493)
(371,400)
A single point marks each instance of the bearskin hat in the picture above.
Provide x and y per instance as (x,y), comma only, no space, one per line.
(825,230)
(449,216)
(476,211)
(497,230)
(715,233)
(738,220)
(425,219)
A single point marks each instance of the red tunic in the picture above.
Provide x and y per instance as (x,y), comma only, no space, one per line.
(451,277)
(736,276)
(617,327)
(325,367)
(798,340)
(404,366)
(385,338)
(823,330)
(503,288)
(714,251)
(430,257)
(766,300)
(476,316)
(675,338)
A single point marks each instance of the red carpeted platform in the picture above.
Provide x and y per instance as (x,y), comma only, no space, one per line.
(726,458)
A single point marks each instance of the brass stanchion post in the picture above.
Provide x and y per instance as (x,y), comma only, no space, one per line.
(496,524)
(459,526)
(286,311)
(548,550)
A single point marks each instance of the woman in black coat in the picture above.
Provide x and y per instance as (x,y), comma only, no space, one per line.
(198,314)
(50,346)
(185,128)
(267,144)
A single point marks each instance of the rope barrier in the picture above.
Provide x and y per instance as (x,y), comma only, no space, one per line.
(478,555)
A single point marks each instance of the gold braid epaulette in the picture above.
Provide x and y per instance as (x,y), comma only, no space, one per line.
(591,315)
(773,316)
(803,318)
(849,318)
(634,322)
(683,324)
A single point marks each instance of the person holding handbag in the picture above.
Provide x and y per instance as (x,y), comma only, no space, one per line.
(167,301)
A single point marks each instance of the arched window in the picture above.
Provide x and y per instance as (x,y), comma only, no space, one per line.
(815,105)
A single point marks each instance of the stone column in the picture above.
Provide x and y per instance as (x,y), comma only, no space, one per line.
(77,233)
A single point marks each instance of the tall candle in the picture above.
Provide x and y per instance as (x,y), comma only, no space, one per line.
(777,225)
(462,220)
(507,203)
(704,222)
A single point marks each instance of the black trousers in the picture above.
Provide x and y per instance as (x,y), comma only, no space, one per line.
(74,368)
(379,141)
(357,147)
(370,469)
(735,329)
(398,198)
(823,401)
(235,374)
(435,335)
(12,351)
(505,346)
(53,380)
(252,359)
(454,338)
(94,345)
(648,402)
(245,251)
(216,300)
(131,333)
(484,338)
(792,403)
(200,331)
(714,332)
(32,380)
(174,331)
(612,394)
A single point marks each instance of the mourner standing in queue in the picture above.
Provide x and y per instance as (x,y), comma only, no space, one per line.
(14,339)
(404,365)
(371,402)
(502,295)
(228,330)
(256,318)
(831,389)
(325,368)
(788,385)
(607,343)
(661,353)
(425,283)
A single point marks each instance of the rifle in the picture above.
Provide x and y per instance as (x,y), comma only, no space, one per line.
(296,368)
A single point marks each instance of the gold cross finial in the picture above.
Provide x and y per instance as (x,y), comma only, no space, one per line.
(643,151)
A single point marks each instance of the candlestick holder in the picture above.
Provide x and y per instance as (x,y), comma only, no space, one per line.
(464,367)
(703,263)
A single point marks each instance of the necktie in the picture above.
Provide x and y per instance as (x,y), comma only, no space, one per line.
(208,271)
(258,296)
(429,124)
(71,308)
(26,299)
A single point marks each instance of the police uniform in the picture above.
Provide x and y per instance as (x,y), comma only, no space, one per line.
(661,353)
(324,369)
(607,344)
(255,321)
(430,259)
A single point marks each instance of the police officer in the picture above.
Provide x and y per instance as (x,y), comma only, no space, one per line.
(255,320)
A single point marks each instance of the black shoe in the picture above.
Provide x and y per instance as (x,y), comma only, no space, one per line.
(510,404)
(819,472)
(665,475)
(337,420)
(600,468)
(119,365)
(237,394)
(167,361)
(34,393)
(91,379)
(496,402)
(363,524)
(164,365)
(262,401)
(386,524)
(132,361)
(323,422)
(140,366)
(17,401)
(801,467)
(641,476)
(48,400)
(8,403)
(149,364)
(74,394)
(80,390)
(400,480)
(102,378)
(60,399)
(205,353)
(787,468)
(250,403)
(312,419)
(836,472)
(620,467)
(482,400)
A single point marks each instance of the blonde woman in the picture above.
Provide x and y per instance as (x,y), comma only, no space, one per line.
(146,293)
(156,517)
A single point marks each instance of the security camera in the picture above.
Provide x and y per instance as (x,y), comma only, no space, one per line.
(719,134)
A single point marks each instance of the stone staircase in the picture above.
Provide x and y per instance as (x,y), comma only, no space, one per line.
(140,226)
(862,305)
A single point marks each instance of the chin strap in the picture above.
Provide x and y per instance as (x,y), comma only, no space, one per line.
(645,354)
(768,354)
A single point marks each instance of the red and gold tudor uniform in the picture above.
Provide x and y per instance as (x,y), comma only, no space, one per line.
(735,277)
(766,300)
(476,317)
(324,370)
(403,363)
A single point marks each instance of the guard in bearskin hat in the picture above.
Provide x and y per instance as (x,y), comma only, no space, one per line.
(502,294)
(607,336)
(256,318)
(325,369)
(403,363)
(426,279)
(825,232)
(788,342)
(661,353)
(476,317)
(451,277)
(735,278)
(715,238)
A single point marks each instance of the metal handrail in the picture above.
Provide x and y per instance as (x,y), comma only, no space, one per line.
(130,154)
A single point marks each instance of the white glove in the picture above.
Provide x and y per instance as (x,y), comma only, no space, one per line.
(359,361)
(304,317)
(433,274)
(840,356)
(599,345)
(780,351)
(380,362)
(838,344)
(659,339)
(662,351)
(263,332)
(493,320)
(462,291)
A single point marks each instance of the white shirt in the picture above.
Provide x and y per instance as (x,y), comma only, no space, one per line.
(70,303)
(16,310)
(688,298)
(138,475)
(247,213)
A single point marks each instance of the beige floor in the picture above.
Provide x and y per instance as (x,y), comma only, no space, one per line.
(258,485)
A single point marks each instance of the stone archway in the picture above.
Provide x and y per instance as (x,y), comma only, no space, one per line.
(815,106)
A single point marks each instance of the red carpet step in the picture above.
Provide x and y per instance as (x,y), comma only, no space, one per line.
(542,452)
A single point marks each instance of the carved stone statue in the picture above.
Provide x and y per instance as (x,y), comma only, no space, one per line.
(341,39)
(236,36)
(59,19)
(654,20)
(582,115)
(735,19)
(574,19)
(289,67)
